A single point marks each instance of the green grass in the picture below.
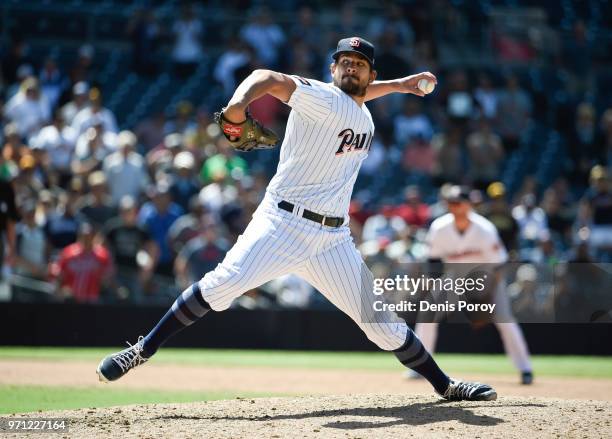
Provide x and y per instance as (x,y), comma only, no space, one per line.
(544,365)
(20,399)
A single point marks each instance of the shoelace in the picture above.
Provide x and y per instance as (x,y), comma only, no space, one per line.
(462,389)
(131,357)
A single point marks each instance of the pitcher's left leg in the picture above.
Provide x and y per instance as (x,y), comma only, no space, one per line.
(340,274)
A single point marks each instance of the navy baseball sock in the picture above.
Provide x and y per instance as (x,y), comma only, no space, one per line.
(413,354)
(186,309)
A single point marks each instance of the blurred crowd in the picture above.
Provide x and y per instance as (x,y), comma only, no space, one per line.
(93,210)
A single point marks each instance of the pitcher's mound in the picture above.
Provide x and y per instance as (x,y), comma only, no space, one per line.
(350,416)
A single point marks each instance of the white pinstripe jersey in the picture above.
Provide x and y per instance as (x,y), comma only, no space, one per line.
(327,137)
(479,243)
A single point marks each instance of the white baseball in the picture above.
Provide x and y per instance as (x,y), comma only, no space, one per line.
(426,86)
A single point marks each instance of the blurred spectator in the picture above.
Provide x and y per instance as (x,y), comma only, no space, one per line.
(419,157)
(486,153)
(183,119)
(376,157)
(161,157)
(80,101)
(578,56)
(411,123)
(16,56)
(425,58)
(83,268)
(234,57)
(52,81)
(157,216)
(97,207)
(390,63)
(188,33)
(513,113)
(306,29)
(606,139)
(31,255)
(27,183)
(125,169)
(382,230)
(289,291)
(62,224)
(226,163)
(94,114)
(41,164)
(92,147)
(459,102)
(83,69)
(599,200)
(531,220)
(14,148)
(132,246)
(24,72)
(583,148)
(393,22)
(233,214)
(143,31)
(544,252)
(201,254)
(500,215)
(28,109)
(267,110)
(302,60)
(414,211)
(58,139)
(486,96)
(264,36)
(188,226)
(559,217)
(184,183)
(201,139)
(348,25)
(151,131)
(449,151)
(8,218)
(46,206)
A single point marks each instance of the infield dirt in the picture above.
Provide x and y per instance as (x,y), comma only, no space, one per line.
(347,416)
(368,404)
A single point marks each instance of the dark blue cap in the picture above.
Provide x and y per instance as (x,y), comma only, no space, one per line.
(355,44)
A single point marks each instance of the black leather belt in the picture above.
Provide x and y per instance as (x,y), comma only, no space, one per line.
(329,221)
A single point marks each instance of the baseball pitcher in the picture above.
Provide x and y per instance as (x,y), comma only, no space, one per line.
(301,226)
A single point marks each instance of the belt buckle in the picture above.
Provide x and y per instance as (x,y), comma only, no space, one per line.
(323,220)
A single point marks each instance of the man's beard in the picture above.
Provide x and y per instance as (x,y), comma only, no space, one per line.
(352,86)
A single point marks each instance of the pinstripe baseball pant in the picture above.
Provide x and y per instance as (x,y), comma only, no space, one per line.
(276,243)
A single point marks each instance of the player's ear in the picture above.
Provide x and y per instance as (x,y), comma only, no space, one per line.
(332,68)
(373,74)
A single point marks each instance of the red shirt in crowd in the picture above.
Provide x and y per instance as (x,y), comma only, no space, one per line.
(83,270)
(414,214)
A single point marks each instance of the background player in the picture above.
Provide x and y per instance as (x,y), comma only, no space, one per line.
(464,237)
(301,226)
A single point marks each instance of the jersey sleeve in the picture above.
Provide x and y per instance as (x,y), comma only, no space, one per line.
(311,99)
(434,247)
